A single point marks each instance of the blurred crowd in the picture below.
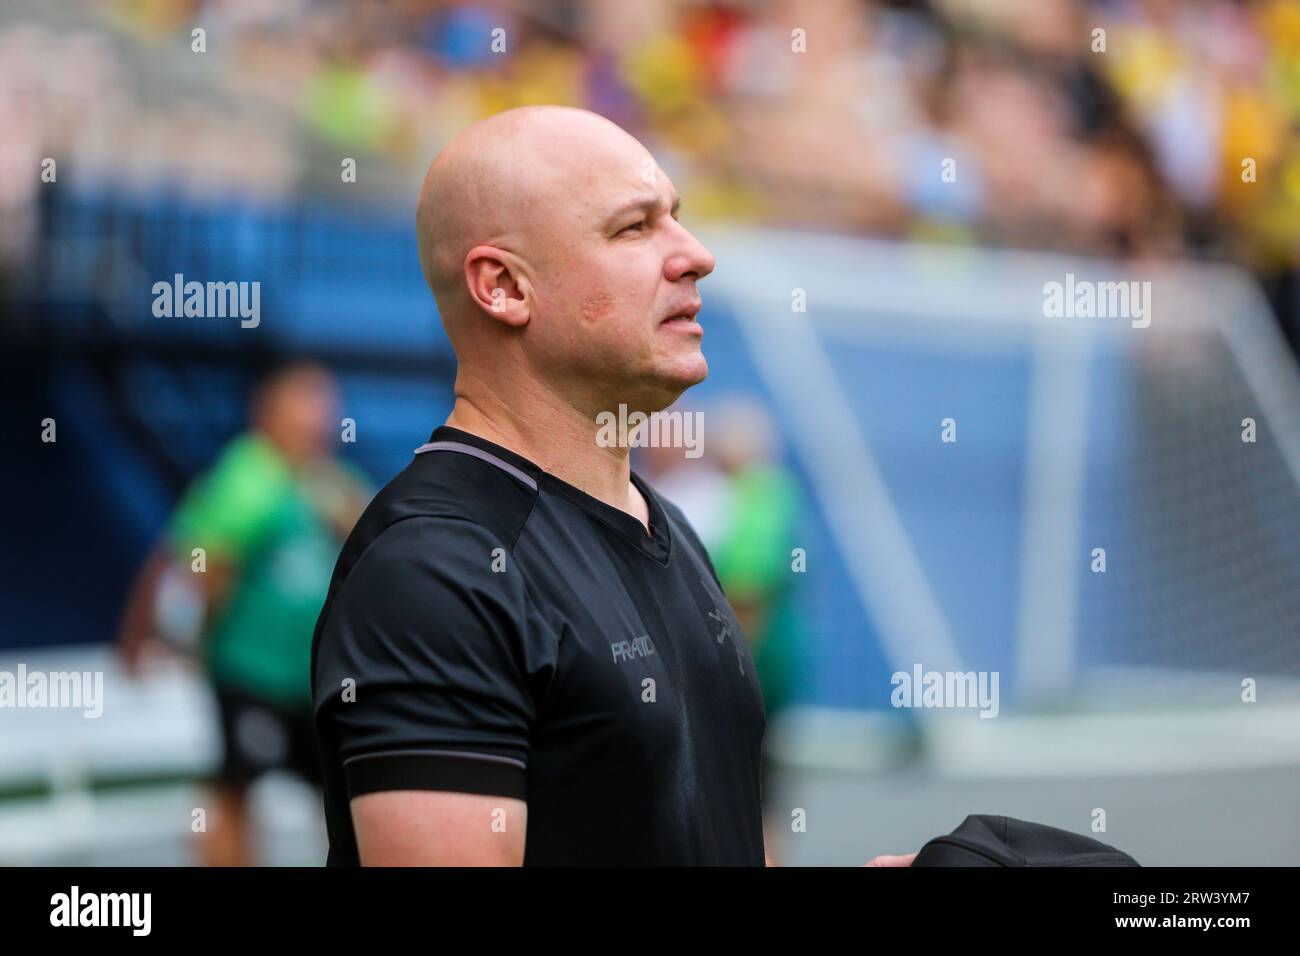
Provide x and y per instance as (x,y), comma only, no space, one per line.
(1114,126)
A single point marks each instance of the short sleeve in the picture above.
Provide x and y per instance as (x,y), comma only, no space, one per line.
(228,510)
(430,629)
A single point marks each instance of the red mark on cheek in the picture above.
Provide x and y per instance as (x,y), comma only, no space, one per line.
(595,308)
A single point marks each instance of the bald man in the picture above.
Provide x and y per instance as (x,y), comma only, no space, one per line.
(526,656)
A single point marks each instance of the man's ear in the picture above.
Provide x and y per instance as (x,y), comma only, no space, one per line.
(497,285)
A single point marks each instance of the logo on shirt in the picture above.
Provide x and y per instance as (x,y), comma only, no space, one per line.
(717,617)
(725,630)
(630,650)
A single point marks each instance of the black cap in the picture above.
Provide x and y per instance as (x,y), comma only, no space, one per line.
(985,840)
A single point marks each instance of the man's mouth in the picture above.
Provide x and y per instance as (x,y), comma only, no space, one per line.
(685,319)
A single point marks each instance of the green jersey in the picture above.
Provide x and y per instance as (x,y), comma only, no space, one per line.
(753,561)
(249,512)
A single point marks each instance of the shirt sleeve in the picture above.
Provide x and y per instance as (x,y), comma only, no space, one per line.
(431,628)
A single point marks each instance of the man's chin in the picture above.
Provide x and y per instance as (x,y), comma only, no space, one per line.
(670,383)
(690,371)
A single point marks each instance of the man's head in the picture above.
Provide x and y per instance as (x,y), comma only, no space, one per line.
(295,407)
(549,238)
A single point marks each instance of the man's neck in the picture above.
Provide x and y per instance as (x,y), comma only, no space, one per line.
(560,440)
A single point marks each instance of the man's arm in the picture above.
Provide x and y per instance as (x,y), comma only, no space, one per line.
(439,828)
(137,630)
(904,859)
(434,741)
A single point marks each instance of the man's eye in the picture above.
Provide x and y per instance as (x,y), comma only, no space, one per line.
(638,226)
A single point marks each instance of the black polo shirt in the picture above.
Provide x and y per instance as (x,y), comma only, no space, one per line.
(492,629)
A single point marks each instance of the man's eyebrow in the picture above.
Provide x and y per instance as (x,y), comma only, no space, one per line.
(646,204)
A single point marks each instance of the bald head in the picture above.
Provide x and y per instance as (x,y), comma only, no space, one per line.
(550,240)
(500,181)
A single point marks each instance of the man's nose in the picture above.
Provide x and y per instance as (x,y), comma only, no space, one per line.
(691,258)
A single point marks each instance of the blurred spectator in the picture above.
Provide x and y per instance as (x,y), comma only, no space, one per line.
(838,115)
(753,551)
(257,536)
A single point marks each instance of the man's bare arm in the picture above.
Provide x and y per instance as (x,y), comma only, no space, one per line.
(137,630)
(439,828)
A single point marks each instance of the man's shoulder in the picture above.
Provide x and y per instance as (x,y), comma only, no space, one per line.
(445,520)
(234,498)
(426,570)
(424,574)
(249,459)
(453,491)
(430,542)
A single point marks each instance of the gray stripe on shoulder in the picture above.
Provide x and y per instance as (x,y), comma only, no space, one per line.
(480,454)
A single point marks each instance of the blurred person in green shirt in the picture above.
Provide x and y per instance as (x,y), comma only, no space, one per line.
(753,553)
(256,537)
(753,556)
